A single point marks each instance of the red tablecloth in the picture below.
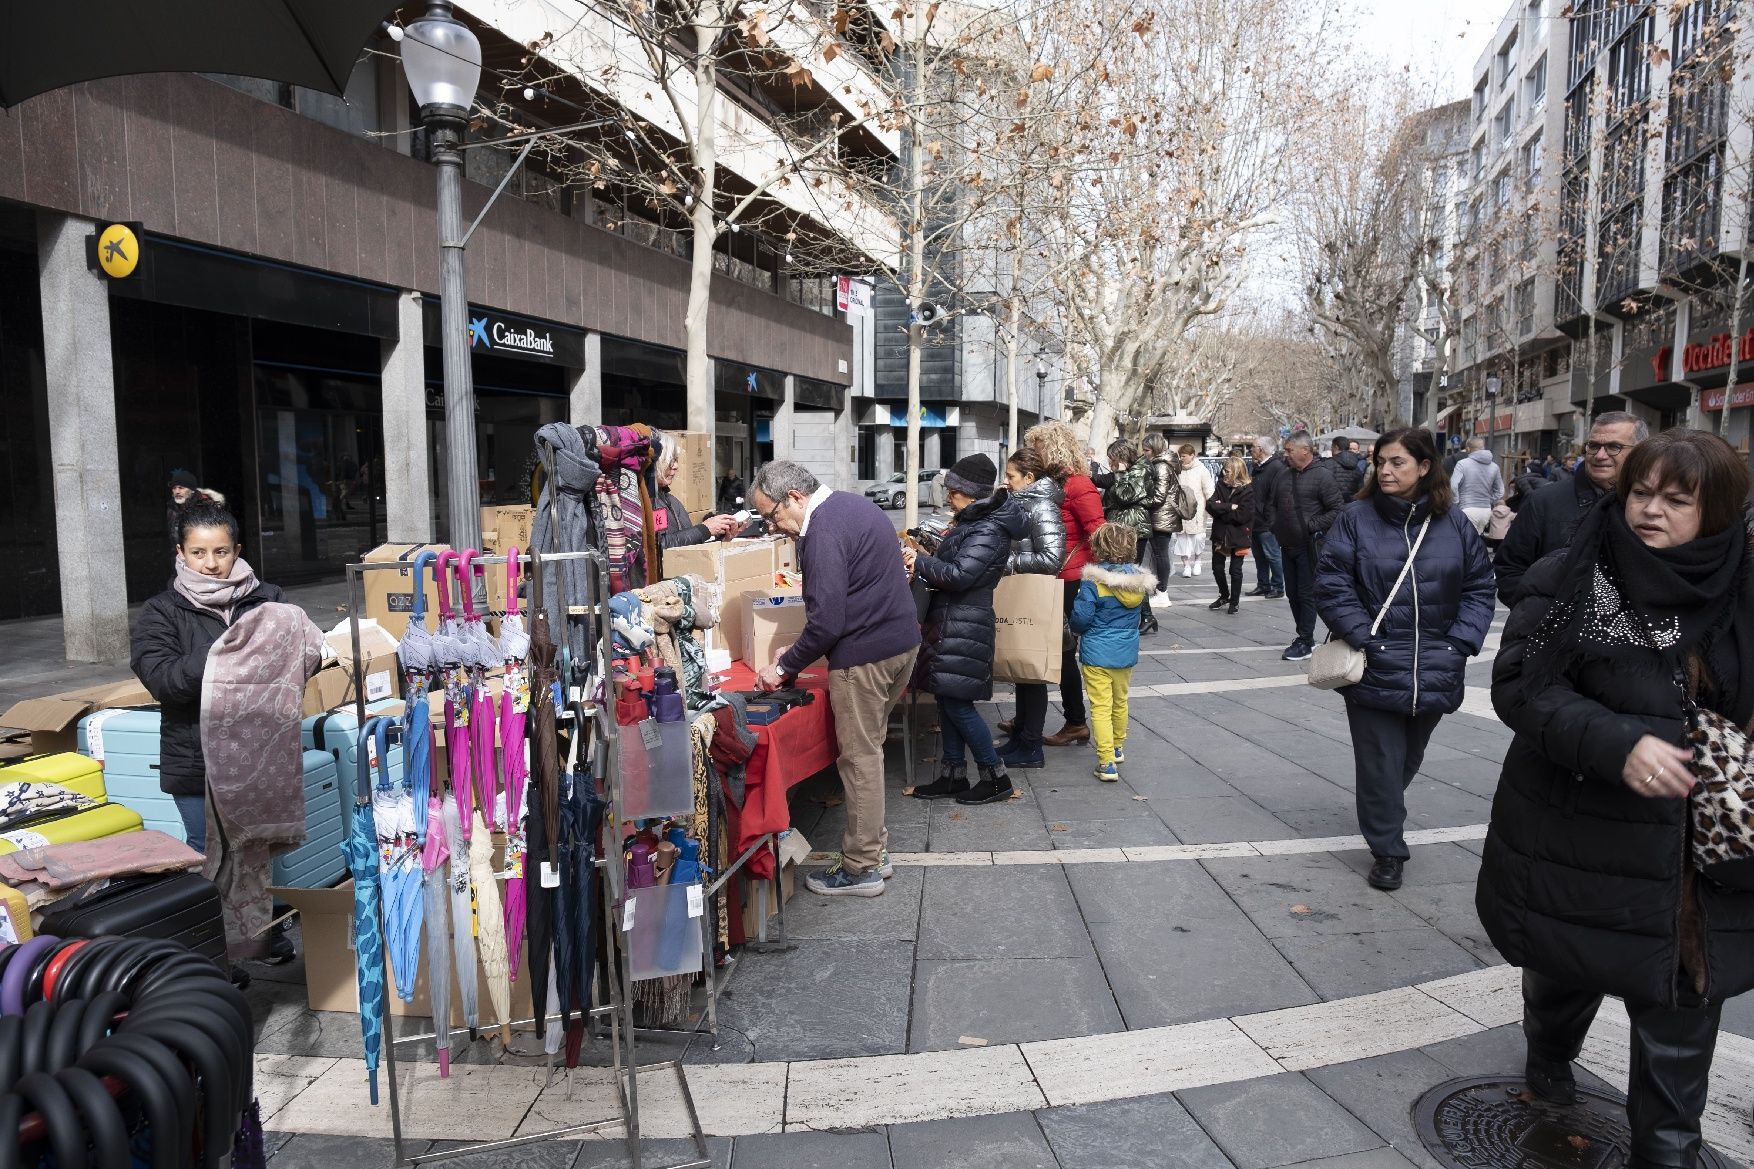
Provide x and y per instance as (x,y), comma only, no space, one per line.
(787,752)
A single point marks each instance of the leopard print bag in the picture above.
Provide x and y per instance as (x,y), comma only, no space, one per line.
(1721,806)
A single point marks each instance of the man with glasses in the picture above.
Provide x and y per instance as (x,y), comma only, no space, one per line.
(1546,522)
(860,614)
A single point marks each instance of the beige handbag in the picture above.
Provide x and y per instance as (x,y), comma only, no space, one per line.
(1335,664)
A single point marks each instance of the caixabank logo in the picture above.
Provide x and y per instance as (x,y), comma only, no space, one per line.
(492,333)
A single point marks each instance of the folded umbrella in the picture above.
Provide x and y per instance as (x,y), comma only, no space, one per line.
(462,917)
(398,866)
(361,850)
(582,813)
(435,889)
(543,822)
(452,652)
(419,662)
(481,654)
(514,706)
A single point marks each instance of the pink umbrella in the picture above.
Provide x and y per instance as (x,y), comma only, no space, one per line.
(451,651)
(437,890)
(514,706)
(482,655)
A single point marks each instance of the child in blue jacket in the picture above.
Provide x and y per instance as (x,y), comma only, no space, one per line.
(1105,615)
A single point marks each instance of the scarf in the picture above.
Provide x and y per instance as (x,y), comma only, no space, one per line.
(1623,601)
(563,524)
(218,594)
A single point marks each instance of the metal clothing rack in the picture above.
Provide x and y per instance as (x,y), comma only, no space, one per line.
(625,1065)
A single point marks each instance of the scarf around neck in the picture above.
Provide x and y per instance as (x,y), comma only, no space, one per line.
(216,594)
(1622,600)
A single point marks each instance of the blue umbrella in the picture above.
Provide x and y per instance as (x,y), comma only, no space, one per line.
(418,664)
(393,808)
(361,851)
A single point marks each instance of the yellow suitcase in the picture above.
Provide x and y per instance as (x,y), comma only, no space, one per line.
(72,771)
(109,820)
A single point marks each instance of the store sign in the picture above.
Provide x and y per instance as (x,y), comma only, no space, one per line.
(498,334)
(1712,401)
(1703,356)
(1503,423)
(115,251)
(486,332)
(852,296)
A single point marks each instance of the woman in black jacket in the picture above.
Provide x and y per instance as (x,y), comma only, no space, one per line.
(675,530)
(1232,508)
(1417,629)
(213,585)
(956,641)
(1586,881)
(1041,550)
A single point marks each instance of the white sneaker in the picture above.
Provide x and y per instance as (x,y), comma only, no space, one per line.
(1199,569)
(1160,601)
(1187,570)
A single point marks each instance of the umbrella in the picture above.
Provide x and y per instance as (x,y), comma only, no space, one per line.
(418,663)
(582,816)
(462,917)
(543,823)
(361,850)
(398,866)
(480,654)
(451,651)
(436,891)
(514,705)
(313,43)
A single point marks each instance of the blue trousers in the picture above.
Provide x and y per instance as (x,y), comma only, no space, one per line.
(961,724)
(1269,567)
(193,810)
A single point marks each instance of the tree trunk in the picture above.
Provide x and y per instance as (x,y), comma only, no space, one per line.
(1723,417)
(701,406)
(916,277)
(1011,343)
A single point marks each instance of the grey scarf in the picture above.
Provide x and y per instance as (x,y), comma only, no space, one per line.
(217,594)
(563,524)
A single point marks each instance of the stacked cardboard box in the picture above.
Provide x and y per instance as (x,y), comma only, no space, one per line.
(738,569)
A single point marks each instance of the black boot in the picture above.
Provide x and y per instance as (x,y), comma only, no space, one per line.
(1147,619)
(1671,1070)
(952,781)
(1556,1018)
(995,786)
(1235,583)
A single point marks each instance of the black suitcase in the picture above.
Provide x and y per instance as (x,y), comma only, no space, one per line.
(183,907)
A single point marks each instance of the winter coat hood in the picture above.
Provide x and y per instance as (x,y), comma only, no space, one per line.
(1127,583)
(1481,456)
(1105,614)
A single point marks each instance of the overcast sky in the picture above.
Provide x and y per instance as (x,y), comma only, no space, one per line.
(1440,38)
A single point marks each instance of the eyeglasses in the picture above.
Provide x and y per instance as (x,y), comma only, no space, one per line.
(768,515)
(1612,449)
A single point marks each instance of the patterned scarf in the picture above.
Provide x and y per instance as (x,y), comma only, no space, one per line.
(218,594)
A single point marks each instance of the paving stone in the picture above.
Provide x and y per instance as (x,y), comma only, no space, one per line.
(1013,1141)
(822,1000)
(1276,784)
(1009,1000)
(1354,1028)
(561,1154)
(1431,864)
(812,1150)
(1014,911)
(897,1089)
(613,1154)
(1450,908)
(1306,1123)
(1153,896)
(1337,819)
(1380,1091)
(1333,899)
(1130,833)
(1152,1132)
(1384,1158)
(1352,964)
(1430,804)
(1206,820)
(313,1151)
(1212,970)
(1016,824)
(1089,798)
(1095,1068)
(1500,1051)
(895,915)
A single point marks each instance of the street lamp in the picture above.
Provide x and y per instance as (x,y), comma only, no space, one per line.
(443,61)
(1041,389)
(1492,384)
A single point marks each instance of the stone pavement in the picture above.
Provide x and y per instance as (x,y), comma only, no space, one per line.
(1185,969)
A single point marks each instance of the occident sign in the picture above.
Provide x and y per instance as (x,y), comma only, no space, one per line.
(1699,356)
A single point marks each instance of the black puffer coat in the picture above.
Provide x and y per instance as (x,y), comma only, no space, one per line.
(1233,515)
(1305,503)
(1417,661)
(956,651)
(1544,524)
(1582,879)
(169,648)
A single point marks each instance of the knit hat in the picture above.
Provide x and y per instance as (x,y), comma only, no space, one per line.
(973,477)
(182,478)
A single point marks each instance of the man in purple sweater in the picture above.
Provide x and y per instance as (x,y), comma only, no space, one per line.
(859,613)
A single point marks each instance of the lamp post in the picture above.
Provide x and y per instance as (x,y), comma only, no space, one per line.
(443,61)
(1041,389)
(1492,384)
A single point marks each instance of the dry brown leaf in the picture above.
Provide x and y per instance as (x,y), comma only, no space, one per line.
(831,51)
(1578,1142)
(1301,910)
(1041,72)
(1057,828)
(954,816)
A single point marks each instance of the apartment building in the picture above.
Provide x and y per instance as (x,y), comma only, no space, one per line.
(279,337)
(1425,331)
(1509,382)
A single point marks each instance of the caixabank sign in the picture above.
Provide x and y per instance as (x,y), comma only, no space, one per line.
(496,334)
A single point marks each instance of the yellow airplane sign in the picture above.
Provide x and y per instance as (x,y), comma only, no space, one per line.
(118,250)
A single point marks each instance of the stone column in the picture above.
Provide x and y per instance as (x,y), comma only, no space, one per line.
(82,443)
(408,499)
(846,455)
(782,421)
(587,385)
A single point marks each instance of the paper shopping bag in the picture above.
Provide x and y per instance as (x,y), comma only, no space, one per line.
(1028,614)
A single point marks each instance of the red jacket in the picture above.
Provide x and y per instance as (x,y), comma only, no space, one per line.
(1081,509)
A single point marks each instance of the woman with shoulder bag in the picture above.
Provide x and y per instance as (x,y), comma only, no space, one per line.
(1594,877)
(1403,580)
(1039,551)
(1232,508)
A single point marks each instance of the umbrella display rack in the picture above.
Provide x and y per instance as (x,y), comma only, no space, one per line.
(612,1002)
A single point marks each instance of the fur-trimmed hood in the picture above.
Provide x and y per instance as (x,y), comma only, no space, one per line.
(1129,583)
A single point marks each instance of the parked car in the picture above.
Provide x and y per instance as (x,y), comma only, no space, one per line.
(892,492)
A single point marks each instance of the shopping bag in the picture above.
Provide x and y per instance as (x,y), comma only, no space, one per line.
(1028,611)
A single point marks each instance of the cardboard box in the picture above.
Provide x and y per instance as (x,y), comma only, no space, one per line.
(389,596)
(758,895)
(510,528)
(332,686)
(736,568)
(53,720)
(775,619)
(332,981)
(694,484)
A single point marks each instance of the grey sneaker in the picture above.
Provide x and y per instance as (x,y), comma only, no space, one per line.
(840,882)
(885,869)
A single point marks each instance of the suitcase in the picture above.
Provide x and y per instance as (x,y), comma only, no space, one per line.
(183,907)
(337,732)
(92,824)
(318,862)
(74,772)
(125,742)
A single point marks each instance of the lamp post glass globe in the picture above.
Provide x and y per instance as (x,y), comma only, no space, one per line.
(442,59)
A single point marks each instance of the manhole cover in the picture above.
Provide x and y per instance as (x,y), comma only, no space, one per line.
(1495,1122)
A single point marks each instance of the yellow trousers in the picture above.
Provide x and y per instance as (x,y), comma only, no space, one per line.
(1105,692)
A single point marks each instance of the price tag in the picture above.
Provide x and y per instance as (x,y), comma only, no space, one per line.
(627,915)
(550,875)
(696,901)
(23,838)
(648,733)
(371,754)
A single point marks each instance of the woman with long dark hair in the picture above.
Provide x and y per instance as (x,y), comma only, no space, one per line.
(1404,577)
(1587,881)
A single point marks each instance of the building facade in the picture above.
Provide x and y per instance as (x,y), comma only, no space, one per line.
(1425,331)
(279,335)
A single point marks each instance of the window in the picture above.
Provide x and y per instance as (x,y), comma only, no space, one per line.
(1537,10)
(1525,308)
(1504,125)
(1505,185)
(1507,61)
(1535,85)
(1533,151)
(1479,161)
(1480,91)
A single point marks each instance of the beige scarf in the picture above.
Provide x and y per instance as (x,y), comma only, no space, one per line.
(220,594)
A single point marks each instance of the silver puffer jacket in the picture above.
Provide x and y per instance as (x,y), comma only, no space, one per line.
(1042,550)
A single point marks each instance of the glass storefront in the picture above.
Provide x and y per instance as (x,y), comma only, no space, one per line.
(27,518)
